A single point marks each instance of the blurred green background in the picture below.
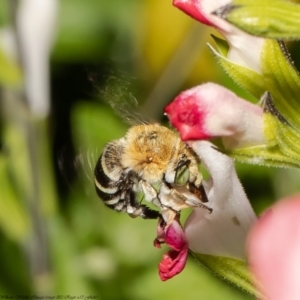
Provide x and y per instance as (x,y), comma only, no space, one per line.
(107,51)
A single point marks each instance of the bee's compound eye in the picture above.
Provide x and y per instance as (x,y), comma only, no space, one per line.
(182,175)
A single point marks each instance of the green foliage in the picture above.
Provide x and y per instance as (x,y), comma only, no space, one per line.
(4,13)
(279,19)
(16,228)
(81,26)
(230,269)
(10,73)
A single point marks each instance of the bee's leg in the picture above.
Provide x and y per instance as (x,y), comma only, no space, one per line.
(169,214)
(148,213)
(173,199)
(149,192)
(135,209)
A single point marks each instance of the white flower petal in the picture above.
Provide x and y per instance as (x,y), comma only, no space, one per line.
(224,231)
(245,49)
(36,26)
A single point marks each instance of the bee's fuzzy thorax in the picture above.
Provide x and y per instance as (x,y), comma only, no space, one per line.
(147,150)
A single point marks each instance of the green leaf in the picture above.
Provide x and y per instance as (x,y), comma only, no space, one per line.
(276,19)
(232,270)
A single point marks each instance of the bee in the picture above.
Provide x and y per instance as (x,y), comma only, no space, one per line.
(152,160)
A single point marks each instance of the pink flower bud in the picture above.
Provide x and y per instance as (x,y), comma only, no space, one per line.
(209,110)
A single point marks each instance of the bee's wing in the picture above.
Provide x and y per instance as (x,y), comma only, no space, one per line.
(117,93)
(86,161)
(127,108)
(79,166)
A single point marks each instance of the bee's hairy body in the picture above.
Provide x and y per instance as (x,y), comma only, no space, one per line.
(148,155)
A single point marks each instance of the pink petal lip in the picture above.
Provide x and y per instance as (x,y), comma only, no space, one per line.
(174,260)
(173,263)
(174,237)
(193,9)
(187,117)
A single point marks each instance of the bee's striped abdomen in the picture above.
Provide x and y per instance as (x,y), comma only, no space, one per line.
(108,177)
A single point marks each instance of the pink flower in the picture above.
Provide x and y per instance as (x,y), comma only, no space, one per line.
(274,250)
(244,49)
(209,111)
(174,260)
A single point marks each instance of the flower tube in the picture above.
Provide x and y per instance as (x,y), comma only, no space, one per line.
(224,231)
